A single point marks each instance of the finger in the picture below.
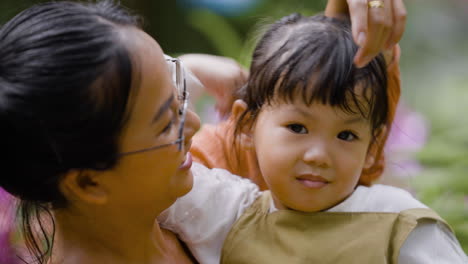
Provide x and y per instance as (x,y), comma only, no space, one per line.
(385,39)
(380,21)
(370,48)
(399,22)
(367,53)
(358,15)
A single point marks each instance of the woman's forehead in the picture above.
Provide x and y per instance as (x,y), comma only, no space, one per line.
(147,56)
(152,80)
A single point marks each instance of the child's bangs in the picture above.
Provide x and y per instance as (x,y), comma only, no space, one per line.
(313,59)
(331,84)
(326,74)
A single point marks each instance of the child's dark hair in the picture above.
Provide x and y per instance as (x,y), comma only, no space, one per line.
(65,83)
(313,57)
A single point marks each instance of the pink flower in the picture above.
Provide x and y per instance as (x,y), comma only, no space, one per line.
(409,134)
(7,215)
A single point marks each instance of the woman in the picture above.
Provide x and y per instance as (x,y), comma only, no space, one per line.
(80,107)
(95,135)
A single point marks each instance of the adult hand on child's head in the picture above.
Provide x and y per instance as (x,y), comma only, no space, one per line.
(221,76)
(376,24)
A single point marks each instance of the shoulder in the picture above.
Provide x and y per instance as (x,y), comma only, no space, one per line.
(220,189)
(381,198)
(219,131)
(442,248)
(211,145)
(390,199)
(216,194)
(207,136)
(203,217)
(220,178)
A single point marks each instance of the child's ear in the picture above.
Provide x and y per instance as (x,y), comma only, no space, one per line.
(245,133)
(238,108)
(84,185)
(370,160)
(375,147)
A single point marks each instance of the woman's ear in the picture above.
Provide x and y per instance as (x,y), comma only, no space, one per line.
(84,185)
(245,132)
(376,147)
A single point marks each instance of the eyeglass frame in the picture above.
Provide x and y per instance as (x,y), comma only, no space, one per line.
(180,81)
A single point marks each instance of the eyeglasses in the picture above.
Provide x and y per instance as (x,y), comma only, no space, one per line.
(178,77)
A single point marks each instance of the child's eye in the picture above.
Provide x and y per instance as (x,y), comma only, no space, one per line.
(347,136)
(297,128)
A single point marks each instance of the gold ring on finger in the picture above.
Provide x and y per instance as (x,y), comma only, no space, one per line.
(376,4)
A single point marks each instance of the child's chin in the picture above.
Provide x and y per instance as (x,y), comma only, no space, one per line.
(307,208)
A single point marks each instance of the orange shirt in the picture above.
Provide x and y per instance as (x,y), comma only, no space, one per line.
(213,145)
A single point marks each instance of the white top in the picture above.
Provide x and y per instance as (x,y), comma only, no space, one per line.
(203,217)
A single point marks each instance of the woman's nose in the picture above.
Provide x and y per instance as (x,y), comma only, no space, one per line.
(192,124)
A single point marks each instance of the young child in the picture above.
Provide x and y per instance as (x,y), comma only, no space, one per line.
(314,123)
(215,147)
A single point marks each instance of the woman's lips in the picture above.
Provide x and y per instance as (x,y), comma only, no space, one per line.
(315,182)
(187,164)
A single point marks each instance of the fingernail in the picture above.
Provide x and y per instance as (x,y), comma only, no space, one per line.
(361,38)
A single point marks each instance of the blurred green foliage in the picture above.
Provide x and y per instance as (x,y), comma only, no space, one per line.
(434,75)
(435,82)
(443,184)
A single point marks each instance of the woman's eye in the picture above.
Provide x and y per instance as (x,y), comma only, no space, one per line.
(168,127)
(178,107)
(297,128)
(347,136)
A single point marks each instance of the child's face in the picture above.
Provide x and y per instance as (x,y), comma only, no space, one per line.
(310,156)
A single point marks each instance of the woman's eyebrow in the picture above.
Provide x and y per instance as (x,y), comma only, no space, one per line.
(163,109)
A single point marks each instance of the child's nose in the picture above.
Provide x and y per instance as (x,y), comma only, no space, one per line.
(317,155)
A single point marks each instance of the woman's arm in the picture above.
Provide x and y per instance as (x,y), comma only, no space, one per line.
(220,76)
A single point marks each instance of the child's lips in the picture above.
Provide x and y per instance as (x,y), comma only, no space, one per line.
(312,181)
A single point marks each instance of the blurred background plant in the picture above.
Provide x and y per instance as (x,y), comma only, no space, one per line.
(428,149)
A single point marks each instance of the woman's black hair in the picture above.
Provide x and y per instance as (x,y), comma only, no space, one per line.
(313,57)
(65,83)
